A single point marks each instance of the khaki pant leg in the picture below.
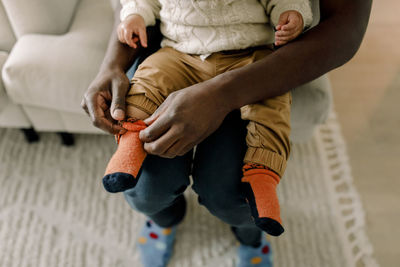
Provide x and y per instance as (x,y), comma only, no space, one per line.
(268,132)
(269,120)
(162,73)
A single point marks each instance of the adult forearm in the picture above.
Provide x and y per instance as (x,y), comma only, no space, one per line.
(327,46)
(118,55)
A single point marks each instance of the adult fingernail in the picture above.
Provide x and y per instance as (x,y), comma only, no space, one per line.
(142,135)
(118,114)
(148,121)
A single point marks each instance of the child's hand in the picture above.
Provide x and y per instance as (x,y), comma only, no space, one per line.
(289,27)
(131,30)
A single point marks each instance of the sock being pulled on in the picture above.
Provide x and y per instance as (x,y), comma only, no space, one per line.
(123,168)
(260,191)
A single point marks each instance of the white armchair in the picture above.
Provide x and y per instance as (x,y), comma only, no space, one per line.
(59,48)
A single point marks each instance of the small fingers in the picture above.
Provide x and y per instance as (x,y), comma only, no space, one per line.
(143,36)
(128,34)
(289,27)
(283,19)
(294,23)
(279,43)
(283,40)
(135,39)
(281,34)
(289,34)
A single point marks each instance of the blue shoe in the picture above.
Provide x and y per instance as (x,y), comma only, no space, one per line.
(260,256)
(156,244)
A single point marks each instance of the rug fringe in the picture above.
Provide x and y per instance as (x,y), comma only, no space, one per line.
(350,214)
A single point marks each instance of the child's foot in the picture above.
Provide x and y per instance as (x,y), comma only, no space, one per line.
(156,244)
(124,166)
(260,256)
(260,191)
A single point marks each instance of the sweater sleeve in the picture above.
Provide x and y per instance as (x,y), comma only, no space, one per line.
(274,8)
(148,9)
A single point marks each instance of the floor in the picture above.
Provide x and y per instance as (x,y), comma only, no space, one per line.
(367,95)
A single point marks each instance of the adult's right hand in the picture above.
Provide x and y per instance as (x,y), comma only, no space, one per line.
(104,101)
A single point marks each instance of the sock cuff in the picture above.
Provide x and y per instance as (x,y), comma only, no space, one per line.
(131,126)
(134,126)
(251,172)
(250,166)
(266,157)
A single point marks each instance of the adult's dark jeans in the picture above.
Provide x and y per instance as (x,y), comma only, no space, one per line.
(216,170)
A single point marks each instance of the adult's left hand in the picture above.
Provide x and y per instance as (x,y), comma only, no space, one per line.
(184,119)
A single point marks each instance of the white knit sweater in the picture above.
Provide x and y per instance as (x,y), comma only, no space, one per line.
(207,26)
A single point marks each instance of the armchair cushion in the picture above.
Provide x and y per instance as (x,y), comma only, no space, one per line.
(40,16)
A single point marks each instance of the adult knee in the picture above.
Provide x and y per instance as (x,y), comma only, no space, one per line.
(231,209)
(149,202)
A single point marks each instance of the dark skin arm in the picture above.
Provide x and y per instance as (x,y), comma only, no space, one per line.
(190,115)
(104,101)
(329,45)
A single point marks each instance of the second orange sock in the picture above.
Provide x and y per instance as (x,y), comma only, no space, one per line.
(263,199)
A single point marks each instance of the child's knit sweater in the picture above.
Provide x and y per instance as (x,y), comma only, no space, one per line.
(207,26)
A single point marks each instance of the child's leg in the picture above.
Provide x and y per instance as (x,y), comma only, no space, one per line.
(265,160)
(160,74)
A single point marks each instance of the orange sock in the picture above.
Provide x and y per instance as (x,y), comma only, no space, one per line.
(261,195)
(124,166)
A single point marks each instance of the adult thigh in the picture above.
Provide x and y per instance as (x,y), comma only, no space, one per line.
(217,171)
(161,181)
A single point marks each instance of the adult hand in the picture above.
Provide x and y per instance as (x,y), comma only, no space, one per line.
(183,120)
(104,101)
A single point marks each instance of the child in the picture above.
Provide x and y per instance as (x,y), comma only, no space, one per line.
(203,38)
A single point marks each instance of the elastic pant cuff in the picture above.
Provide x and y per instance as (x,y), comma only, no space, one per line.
(265,157)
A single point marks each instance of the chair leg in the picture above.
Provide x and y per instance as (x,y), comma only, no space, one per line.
(31,136)
(67,139)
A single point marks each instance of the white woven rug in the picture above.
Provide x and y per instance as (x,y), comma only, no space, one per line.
(54,211)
